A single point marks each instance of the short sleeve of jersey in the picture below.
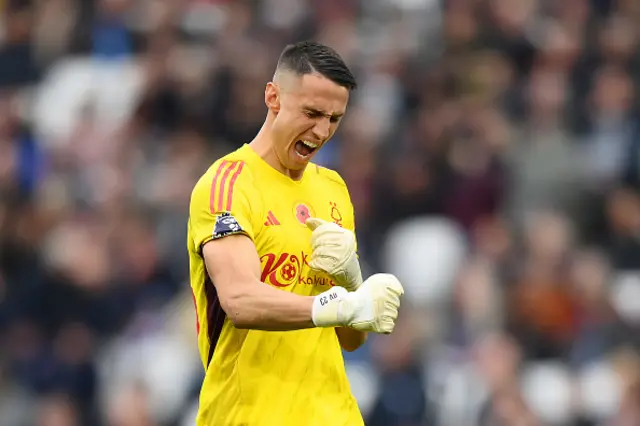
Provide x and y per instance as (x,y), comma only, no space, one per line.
(223,203)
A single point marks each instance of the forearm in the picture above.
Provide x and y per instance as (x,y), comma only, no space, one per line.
(350,339)
(262,307)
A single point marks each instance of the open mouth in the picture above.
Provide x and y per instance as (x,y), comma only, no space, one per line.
(305,148)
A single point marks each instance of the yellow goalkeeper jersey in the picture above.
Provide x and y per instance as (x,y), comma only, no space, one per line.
(266,378)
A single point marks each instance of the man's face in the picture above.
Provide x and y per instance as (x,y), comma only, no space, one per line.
(308,111)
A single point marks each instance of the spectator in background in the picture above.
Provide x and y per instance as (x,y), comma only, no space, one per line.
(16,52)
(541,310)
(57,410)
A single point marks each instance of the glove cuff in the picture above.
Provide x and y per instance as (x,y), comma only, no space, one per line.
(326,310)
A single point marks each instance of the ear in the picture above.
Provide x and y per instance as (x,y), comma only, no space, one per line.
(272,97)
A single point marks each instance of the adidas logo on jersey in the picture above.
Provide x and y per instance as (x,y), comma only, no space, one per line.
(271,219)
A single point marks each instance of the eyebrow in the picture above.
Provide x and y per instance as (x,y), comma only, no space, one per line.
(326,114)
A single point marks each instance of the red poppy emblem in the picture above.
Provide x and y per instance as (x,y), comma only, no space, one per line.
(302,213)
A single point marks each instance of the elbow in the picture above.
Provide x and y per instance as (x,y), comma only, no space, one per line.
(242,322)
(234,307)
(352,346)
(350,340)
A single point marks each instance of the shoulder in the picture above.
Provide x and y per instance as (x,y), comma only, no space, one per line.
(330,176)
(227,175)
(233,168)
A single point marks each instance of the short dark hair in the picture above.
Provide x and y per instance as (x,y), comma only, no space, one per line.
(307,57)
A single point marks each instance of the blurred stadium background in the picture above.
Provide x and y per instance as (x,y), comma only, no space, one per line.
(492,152)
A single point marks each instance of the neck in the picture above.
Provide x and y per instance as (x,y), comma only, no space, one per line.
(264,145)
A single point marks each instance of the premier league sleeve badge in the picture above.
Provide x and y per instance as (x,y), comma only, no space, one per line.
(225,225)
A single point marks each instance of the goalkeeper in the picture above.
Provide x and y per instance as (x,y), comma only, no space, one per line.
(273,266)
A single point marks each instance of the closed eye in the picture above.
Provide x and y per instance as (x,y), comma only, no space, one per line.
(313,114)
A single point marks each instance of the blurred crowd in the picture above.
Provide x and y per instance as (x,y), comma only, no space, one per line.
(492,152)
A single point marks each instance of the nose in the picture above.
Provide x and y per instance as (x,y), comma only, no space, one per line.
(321,129)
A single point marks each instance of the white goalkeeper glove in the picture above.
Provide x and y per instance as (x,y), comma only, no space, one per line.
(333,251)
(373,307)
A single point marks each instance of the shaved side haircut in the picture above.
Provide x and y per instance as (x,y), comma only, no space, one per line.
(309,57)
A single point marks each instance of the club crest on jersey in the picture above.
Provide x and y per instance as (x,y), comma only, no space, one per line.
(225,225)
(303,212)
(336,216)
